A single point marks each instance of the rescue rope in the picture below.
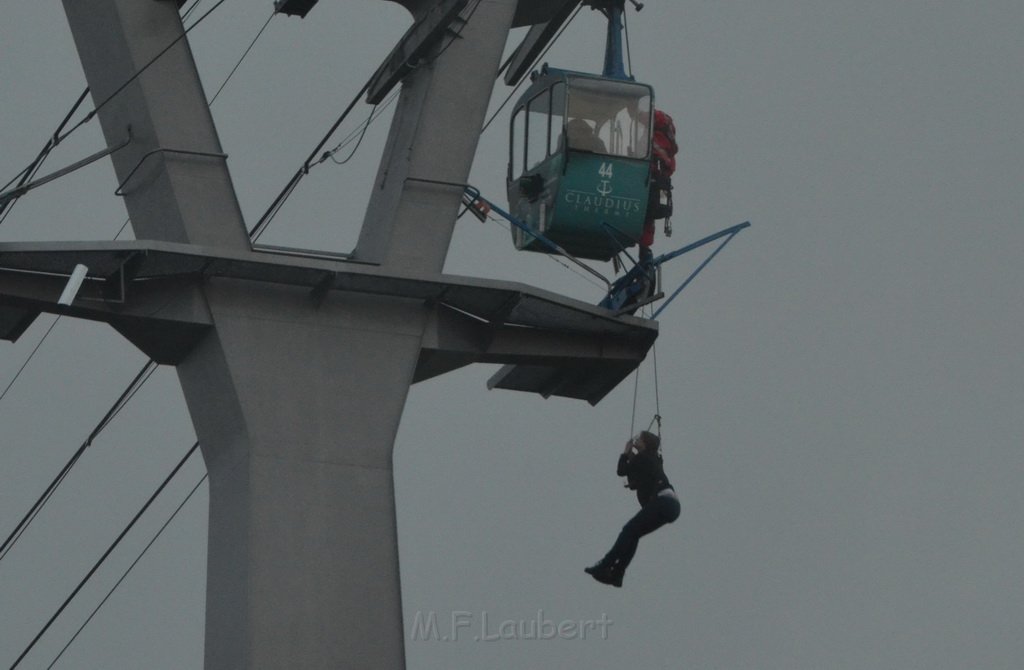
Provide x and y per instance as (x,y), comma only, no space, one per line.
(656,419)
(657,392)
(636,386)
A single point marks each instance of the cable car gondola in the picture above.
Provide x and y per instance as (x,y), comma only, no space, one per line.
(580,155)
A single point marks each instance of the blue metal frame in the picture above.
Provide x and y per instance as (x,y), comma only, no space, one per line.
(474,195)
(628,284)
(614,66)
(728,234)
(641,275)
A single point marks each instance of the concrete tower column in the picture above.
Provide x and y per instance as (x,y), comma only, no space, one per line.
(296,401)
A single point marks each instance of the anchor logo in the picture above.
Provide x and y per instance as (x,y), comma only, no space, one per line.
(604,189)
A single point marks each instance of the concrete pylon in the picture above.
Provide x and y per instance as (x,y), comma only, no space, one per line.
(296,370)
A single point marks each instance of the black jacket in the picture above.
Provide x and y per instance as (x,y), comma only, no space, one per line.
(644,474)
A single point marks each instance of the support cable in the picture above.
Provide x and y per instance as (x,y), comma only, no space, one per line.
(107,553)
(22,189)
(244,54)
(26,175)
(27,361)
(53,141)
(133,387)
(128,571)
(279,201)
(532,65)
(140,379)
(138,73)
(148,369)
(121,229)
(360,130)
(313,160)
(136,383)
(365,126)
(191,9)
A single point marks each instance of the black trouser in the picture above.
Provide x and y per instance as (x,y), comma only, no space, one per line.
(659,510)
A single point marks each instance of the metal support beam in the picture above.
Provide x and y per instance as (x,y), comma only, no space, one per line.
(467,319)
(21,190)
(414,47)
(434,135)
(171,194)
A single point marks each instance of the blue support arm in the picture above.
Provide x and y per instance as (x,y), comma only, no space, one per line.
(728,234)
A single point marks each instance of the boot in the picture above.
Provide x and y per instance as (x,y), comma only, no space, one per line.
(606,572)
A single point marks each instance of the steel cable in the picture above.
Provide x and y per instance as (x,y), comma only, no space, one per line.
(107,553)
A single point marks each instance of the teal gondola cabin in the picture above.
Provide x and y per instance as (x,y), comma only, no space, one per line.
(579,167)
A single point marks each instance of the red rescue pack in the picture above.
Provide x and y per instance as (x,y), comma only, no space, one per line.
(665,147)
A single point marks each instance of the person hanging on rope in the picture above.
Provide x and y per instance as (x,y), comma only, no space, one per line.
(641,464)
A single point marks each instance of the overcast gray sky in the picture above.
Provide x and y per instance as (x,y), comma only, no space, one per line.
(841,390)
